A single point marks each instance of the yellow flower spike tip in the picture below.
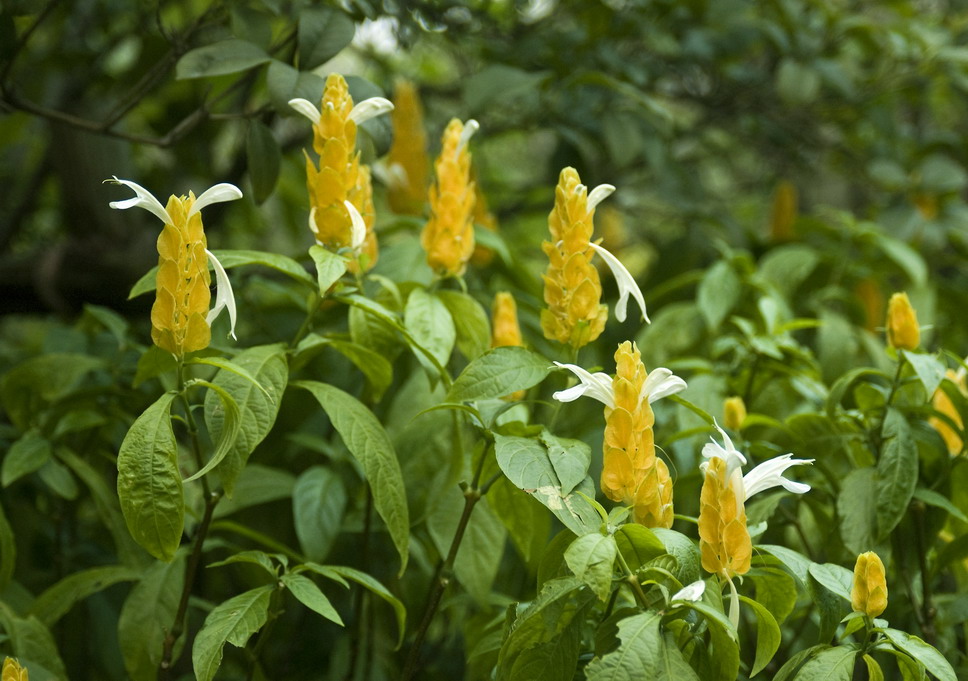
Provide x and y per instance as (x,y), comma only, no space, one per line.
(573,290)
(869,592)
(734,412)
(180,317)
(448,236)
(505,329)
(631,471)
(340,176)
(943,404)
(783,214)
(12,671)
(407,162)
(902,323)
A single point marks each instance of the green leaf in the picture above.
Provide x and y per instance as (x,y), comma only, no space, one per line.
(724,653)
(928,369)
(497,373)
(260,558)
(874,671)
(482,547)
(788,670)
(528,523)
(903,255)
(26,389)
(369,444)
(322,33)
(147,616)
(592,559)
(831,664)
(718,293)
(59,598)
(25,456)
(526,463)
(767,635)
(470,322)
(776,591)
(430,325)
(329,267)
(256,485)
(897,472)
(786,267)
(233,621)
(684,550)
(262,159)
(285,83)
(32,644)
(857,509)
(843,384)
(8,551)
(376,367)
(545,639)
(318,504)
(638,545)
(796,563)
(671,665)
(499,81)
(926,654)
(310,595)
(368,582)
(932,498)
(257,397)
(828,595)
(637,655)
(153,362)
(569,458)
(229,433)
(149,483)
(218,59)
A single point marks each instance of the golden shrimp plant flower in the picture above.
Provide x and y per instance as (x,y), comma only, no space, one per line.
(448,236)
(903,332)
(340,176)
(573,290)
(12,671)
(632,474)
(180,317)
(724,539)
(868,593)
(408,165)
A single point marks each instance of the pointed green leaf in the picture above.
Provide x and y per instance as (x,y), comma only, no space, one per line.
(832,664)
(262,160)
(147,615)
(470,321)
(25,456)
(929,369)
(499,372)
(310,595)
(926,654)
(318,504)
(229,433)
(322,33)
(767,635)
(329,267)
(592,559)
(897,472)
(637,655)
(57,600)
(430,325)
(233,621)
(217,59)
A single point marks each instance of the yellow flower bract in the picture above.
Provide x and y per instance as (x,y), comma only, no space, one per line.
(408,189)
(902,323)
(12,671)
(572,290)
(869,592)
(340,175)
(505,329)
(943,404)
(179,315)
(724,540)
(448,236)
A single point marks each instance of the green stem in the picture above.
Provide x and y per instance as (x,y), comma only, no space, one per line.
(879,436)
(632,581)
(927,608)
(358,607)
(307,322)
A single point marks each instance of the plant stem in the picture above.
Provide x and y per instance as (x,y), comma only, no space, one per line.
(632,581)
(358,606)
(927,609)
(879,436)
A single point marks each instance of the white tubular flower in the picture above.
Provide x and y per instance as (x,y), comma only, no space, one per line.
(470,127)
(690,592)
(766,475)
(306,108)
(658,384)
(218,194)
(367,109)
(358,227)
(626,284)
(143,199)
(598,194)
(224,296)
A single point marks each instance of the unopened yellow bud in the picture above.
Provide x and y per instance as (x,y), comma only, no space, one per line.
(179,315)
(340,176)
(573,291)
(734,412)
(869,593)
(784,212)
(448,237)
(505,329)
(631,471)
(943,404)
(408,160)
(12,671)
(902,323)
(724,540)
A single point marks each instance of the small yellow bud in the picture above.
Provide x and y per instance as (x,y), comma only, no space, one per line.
(869,593)
(12,671)
(448,236)
(724,540)
(505,329)
(902,323)
(407,159)
(784,212)
(943,404)
(573,291)
(734,412)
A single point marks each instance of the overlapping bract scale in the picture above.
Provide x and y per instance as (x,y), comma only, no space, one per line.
(448,236)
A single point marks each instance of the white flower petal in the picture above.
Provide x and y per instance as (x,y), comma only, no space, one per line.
(769,474)
(217,194)
(396,175)
(661,382)
(369,108)
(306,108)
(626,284)
(597,386)
(470,127)
(143,199)
(224,297)
(358,228)
(599,194)
(733,457)
(690,592)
